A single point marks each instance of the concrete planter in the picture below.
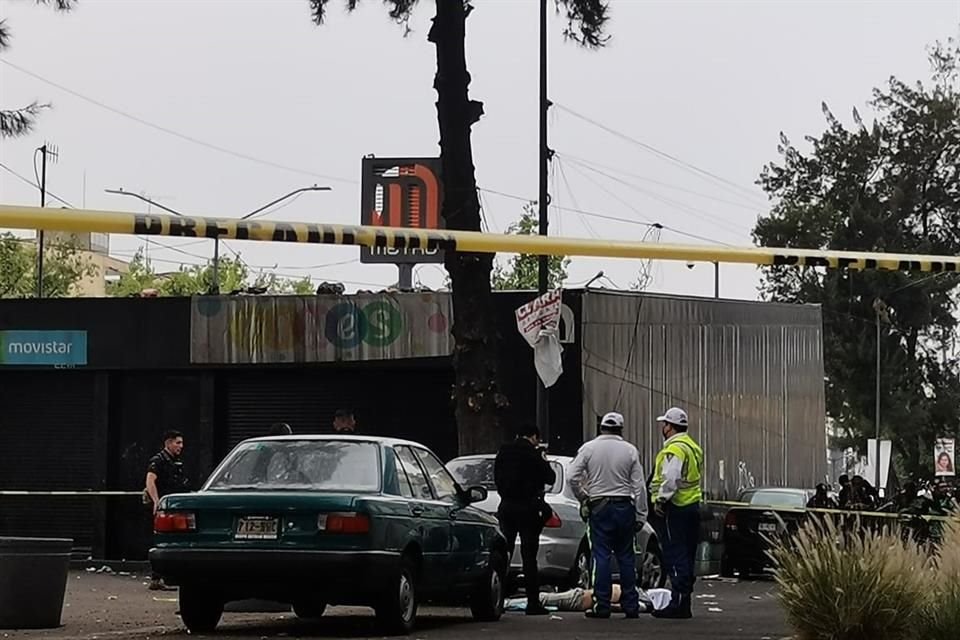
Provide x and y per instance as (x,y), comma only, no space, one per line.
(33,581)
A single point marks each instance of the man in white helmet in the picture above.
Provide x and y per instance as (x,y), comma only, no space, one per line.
(607,478)
(676,494)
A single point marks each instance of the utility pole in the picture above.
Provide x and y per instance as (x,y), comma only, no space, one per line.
(46,150)
(543,398)
(883,314)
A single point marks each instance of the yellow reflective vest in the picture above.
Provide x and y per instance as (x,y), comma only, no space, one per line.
(681,446)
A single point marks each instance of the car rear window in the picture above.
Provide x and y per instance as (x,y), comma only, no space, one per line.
(472,472)
(776,499)
(312,465)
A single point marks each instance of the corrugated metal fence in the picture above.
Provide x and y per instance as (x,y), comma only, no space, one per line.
(749,374)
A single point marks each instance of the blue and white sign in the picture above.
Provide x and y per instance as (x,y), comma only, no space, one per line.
(43,348)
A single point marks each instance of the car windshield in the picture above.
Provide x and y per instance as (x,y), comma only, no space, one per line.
(298,465)
(776,498)
(473,472)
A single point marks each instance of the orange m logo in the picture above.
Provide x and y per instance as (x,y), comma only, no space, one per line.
(407,196)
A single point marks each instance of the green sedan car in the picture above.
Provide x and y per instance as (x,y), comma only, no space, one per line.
(330,520)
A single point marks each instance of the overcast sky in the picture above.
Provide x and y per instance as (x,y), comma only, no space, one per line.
(709,83)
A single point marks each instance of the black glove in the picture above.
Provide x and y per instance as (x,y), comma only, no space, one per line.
(658,506)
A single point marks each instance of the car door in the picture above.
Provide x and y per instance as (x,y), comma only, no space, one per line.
(468,556)
(433,521)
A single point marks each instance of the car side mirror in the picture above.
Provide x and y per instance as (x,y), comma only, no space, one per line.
(475,494)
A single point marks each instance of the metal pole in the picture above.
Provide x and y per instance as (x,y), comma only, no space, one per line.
(43,203)
(877,410)
(716,279)
(405,277)
(543,398)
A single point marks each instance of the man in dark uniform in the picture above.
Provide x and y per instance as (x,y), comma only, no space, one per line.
(521,472)
(165,475)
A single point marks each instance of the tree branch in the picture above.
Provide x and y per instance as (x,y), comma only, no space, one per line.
(20,121)
(586,21)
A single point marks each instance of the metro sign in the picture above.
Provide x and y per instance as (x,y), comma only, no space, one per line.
(405,193)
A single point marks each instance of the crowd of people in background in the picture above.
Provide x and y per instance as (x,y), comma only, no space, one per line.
(937,498)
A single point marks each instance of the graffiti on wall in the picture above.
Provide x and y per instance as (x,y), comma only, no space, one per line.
(294,329)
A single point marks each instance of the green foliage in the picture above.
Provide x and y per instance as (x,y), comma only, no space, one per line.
(941,615)
(521,272)
(233,275)
(63,266)
(17,122)
(851,584)
(892,186)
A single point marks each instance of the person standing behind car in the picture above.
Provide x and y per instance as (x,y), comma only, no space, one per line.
(521,472)
(606,476)
(677,491)
(165,475)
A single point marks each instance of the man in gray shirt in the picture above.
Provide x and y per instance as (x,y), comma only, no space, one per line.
(606,476)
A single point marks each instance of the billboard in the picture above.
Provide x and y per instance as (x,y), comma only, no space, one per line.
(401,192)
(325,328)
(43,348)
(944,457)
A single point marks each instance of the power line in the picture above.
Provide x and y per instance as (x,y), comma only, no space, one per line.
(663,154)
(629,204)
(176,134)
(35,185)
(573,198)
(667,185)
(604,216)
(720,223)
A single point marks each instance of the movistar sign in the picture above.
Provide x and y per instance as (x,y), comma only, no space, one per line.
(40,348)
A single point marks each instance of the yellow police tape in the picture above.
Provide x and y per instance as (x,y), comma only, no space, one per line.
(86,220)
(844,512)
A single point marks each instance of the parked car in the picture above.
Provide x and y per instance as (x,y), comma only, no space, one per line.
(331,520)
(772,512)
(564,558)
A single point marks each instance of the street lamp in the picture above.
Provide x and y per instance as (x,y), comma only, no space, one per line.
(215,285)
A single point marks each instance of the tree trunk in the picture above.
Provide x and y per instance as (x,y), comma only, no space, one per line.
(476,394)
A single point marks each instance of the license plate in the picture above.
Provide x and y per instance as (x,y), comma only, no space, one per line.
(257,528)
(767,527)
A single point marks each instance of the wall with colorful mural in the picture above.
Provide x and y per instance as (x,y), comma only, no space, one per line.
(288,329)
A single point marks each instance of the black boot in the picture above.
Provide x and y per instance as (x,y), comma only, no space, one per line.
(678,610)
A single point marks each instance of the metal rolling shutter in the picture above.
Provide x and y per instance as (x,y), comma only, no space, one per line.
(47,439)
(406,403)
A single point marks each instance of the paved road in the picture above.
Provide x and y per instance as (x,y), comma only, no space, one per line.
(110,607)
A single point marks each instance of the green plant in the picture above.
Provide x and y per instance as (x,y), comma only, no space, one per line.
(941,615)
(851,584)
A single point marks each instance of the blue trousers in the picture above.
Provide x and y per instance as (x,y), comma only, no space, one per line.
(612,531)
(679,536)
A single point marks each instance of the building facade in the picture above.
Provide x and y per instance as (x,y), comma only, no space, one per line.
(222,369)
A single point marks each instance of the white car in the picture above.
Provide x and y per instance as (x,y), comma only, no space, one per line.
(564,558)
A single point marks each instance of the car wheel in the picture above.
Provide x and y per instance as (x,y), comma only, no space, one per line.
(199,609)
(486,604)
(650,573)
(309,609)
(397,610)
(582,572)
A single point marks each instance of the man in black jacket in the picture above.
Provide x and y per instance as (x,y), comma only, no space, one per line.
(521,473)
